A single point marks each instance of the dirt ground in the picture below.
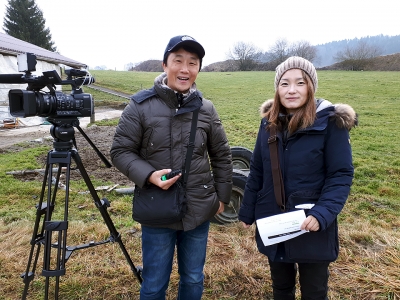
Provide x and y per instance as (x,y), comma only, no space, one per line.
(101,136)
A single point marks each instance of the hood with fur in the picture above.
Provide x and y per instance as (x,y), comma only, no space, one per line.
(344,114)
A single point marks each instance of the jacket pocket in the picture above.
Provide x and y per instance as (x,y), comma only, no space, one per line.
(203,202)
(313,246)
(302,197)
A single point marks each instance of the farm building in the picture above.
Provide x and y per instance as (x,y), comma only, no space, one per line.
(10,47)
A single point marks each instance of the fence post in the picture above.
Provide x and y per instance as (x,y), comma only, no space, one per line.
(92,117)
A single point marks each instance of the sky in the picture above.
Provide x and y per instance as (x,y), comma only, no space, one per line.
(115,33)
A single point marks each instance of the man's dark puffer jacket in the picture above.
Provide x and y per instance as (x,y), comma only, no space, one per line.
(153,134)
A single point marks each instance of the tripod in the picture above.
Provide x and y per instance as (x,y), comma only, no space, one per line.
(63,152)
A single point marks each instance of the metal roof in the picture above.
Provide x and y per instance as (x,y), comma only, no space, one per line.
(14,46)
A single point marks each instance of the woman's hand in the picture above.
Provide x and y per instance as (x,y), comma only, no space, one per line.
(310,224)
(245,225)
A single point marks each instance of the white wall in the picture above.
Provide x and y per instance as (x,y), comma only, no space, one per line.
(8,65)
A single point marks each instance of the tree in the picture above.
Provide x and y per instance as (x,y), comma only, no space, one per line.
(102,67)
(279,52)
(304,49)
(24,20)
(129,66)
(358,57)
(245,55)
(282,50)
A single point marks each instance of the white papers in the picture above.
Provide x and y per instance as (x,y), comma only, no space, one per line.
(282,227)
(305,206)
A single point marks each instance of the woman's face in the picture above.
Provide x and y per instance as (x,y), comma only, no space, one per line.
(293,90)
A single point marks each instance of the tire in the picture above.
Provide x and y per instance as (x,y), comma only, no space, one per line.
(231,211)
(241,157)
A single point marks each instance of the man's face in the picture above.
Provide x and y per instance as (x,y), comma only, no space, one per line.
(182,68)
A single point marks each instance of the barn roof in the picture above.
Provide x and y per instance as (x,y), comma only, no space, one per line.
(14,46)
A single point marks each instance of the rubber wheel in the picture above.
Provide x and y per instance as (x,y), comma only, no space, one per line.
(231,211)
(241,157)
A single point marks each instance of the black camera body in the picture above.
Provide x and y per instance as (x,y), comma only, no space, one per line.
(54,104)
(24,103)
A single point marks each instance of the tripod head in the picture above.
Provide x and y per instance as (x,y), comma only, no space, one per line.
(63,132)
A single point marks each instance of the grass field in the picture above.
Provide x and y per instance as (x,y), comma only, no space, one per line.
(369,228)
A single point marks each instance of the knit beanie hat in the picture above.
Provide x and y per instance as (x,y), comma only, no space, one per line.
(296,62)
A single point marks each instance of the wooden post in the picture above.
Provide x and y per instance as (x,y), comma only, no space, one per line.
(92,117)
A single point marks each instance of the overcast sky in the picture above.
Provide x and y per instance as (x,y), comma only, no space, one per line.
(115,33)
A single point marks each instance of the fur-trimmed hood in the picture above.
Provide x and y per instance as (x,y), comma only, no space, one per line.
(344,114)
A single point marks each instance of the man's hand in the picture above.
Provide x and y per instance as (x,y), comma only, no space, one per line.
(155,179)
(221,208)
(310,224)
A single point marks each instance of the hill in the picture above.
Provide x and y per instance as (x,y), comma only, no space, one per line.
(326,52)
(380,63)
(149,66)
(385,63)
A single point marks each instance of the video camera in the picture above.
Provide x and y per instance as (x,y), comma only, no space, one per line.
(54,104)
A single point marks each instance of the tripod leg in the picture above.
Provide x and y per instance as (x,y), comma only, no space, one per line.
(63,158)
(45,234)
(42,209)
(102,206)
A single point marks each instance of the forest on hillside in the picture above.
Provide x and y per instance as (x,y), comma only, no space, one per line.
(326,52)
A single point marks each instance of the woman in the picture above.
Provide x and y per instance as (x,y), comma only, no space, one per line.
(316,167)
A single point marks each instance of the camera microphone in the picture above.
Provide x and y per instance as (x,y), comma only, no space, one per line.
(12,78)
(88,80)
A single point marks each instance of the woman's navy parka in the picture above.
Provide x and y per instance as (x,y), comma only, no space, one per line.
(316,165)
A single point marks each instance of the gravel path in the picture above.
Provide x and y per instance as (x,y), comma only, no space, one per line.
(11,136)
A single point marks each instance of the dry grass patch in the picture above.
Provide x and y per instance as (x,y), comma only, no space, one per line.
(234,268)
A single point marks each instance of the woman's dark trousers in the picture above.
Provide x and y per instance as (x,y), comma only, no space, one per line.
(313,279)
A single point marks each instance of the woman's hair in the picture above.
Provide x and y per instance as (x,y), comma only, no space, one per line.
(302,118)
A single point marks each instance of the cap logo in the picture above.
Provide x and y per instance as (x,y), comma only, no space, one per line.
(187,38)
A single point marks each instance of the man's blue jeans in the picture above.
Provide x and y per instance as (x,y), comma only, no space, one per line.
(158,246)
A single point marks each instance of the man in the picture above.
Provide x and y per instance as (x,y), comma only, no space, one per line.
(151,139)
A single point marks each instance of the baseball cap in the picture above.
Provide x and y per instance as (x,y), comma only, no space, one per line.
(181,40)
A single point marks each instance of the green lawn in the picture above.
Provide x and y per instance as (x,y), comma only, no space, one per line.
(369,225)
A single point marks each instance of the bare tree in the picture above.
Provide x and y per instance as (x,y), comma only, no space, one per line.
(102,67)
(279,52)
(304,49)
(245,56)
(358,57)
